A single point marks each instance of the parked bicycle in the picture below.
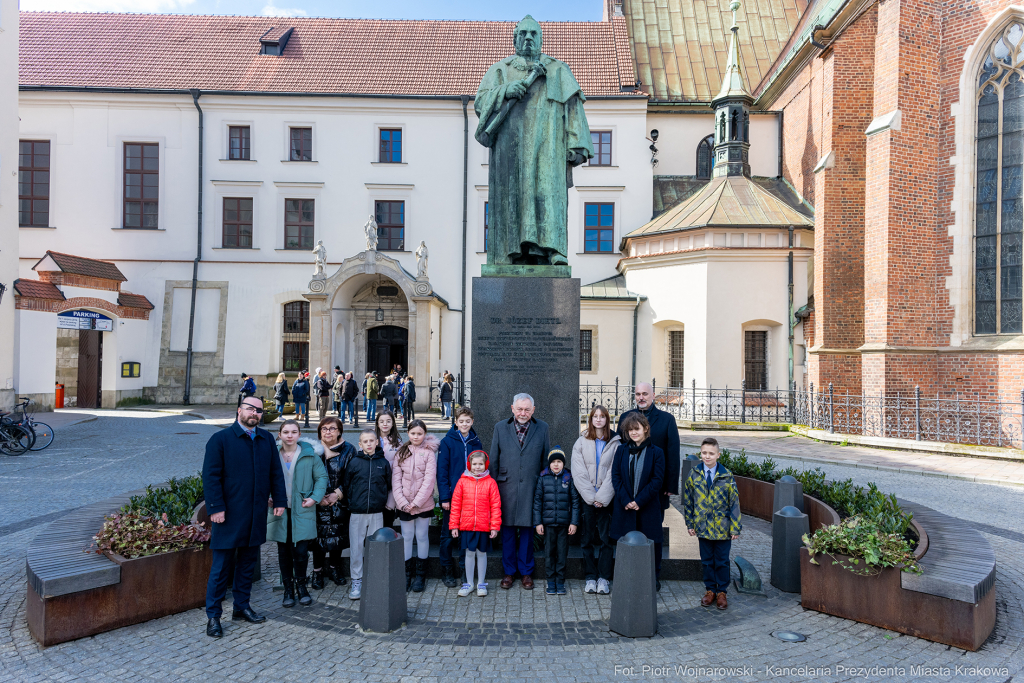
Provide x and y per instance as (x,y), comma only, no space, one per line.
(40,433)
(14,439)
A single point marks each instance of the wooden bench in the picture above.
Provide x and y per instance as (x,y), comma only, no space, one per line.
(73,592)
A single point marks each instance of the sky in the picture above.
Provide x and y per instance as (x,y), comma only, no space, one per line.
(558,10)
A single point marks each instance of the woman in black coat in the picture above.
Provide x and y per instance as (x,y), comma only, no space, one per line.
(637,474)
(332,513)
(281,392)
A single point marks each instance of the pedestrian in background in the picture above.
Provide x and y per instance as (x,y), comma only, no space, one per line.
(372,387)
(280,392)
(408,398)
(248,388)
(241,471)
(300,395)
(322,389)
(349,392)
(339,379)
(447,394)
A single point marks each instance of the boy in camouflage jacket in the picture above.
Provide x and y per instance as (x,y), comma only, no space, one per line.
(711,507)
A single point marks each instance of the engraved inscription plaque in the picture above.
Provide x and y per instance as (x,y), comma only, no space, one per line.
(525,339)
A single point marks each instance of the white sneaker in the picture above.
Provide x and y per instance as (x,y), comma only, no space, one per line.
(357,589)
(465,590)
(481,590)
(591,586)
(602,587)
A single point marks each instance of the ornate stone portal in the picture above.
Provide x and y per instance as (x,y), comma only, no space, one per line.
(343,304)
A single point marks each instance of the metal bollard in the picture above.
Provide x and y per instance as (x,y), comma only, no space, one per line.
(788,528)
(788,491)
(634,600)
(382,607)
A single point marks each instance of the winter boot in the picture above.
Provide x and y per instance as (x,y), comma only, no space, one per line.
(334,575)
(410,569)
(449,577)
(300,589)
(318,580)
(419,581)
(289,592)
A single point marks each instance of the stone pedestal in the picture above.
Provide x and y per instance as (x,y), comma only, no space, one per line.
(525,339)
(634,611)
(788,492)
(382,606)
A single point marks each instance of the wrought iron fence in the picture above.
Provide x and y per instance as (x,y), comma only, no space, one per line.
(949,418)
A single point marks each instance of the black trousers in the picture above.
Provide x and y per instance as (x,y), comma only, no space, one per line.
(714,557)
(556,550)
(292,556)
(319,555)
(236,562)
(598,552)
(451,553)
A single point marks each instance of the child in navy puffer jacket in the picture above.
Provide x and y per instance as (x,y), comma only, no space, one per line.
(556,514)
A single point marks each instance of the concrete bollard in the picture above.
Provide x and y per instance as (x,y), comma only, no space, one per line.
(788,528)
(686,464)
(634,599)
(382,607)
(788,491)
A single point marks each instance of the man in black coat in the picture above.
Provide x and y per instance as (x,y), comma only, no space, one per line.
(241,471)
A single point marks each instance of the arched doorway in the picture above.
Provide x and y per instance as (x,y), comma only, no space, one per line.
(386,346)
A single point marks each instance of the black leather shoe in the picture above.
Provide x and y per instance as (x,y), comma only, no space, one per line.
(318,581)
(213,628)
(247,615)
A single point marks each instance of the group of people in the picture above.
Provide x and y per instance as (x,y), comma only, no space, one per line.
(398,392)
(323,495)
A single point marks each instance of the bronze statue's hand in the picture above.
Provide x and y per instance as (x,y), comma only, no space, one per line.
(539,68)
(515,90)
(576,156)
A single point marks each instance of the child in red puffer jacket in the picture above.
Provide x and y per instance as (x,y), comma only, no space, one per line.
(476,514)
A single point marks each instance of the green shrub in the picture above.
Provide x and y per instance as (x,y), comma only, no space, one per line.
(132,534)
(863,540)
(135,401)
(173,503)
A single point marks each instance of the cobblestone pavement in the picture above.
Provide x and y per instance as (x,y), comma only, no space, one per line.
(511,635)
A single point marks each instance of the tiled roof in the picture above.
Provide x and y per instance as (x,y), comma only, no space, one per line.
(613,288)
(680,46)
(819,14)
(129,300)
(351,56)
(669,190)
(37,289)
(727,202)
(88,267)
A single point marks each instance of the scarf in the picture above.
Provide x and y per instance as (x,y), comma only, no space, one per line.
(637,453)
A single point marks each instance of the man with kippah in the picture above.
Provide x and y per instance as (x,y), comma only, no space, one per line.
(556,514)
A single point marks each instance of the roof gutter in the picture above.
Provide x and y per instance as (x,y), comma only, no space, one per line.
(186,398)
(270,93)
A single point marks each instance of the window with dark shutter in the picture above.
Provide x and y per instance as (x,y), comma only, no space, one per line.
(34,182)
(586,350)
(675,359)
(755,360)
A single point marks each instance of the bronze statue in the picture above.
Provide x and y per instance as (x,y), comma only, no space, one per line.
(531,117)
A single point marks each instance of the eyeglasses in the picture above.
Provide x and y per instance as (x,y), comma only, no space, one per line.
(329,429)
(252,408)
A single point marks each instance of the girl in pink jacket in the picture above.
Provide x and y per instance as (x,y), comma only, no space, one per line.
(412,481)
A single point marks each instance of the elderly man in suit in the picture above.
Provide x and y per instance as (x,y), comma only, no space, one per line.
(519,450)
(241,471)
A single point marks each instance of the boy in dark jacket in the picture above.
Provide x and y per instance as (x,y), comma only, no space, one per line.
(458,443)
(365,483)
(556,514)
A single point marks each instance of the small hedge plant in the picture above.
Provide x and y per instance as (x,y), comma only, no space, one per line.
(873,528)
(158,521)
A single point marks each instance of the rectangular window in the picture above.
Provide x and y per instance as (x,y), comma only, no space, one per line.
(601,140)
(296,356)
(586,350)
(298,224)
(755,357)
(296,317)
(487,221)
(237,222)
(34,182)
(390,226)
(238,142)
(301,144)
(390,146)
(141,184)
(599,228)
(675,358)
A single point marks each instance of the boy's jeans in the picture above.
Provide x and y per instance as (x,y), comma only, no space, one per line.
(360,527)
(556,549)
(714,557)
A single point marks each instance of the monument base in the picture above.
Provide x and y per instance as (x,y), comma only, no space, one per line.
(525,339)
(521,270)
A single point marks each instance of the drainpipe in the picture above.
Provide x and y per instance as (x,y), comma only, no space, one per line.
(789,318)
(465,215)
(186,398)
(636,315)
(780,143)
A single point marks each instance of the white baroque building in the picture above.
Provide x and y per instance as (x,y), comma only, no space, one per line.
(204,159)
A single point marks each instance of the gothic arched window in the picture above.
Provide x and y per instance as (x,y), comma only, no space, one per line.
(705,157)
(998,226)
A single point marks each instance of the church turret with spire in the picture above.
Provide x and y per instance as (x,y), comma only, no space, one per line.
(732,113)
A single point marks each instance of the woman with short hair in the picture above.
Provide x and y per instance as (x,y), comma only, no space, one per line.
(332,513)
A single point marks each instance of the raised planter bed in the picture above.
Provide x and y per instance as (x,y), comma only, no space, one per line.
(757,498)
(73,594)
